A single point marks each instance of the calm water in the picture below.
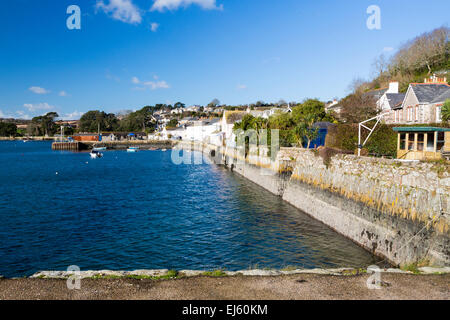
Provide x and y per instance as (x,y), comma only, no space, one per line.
(140,211)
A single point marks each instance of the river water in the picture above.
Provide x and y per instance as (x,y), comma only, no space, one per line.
(131,211)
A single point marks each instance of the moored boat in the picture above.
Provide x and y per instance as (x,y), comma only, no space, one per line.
(96,155)
(133,149)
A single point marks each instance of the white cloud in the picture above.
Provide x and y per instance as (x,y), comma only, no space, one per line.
(109,76)
(73,116)
(135,80)
(122,10)
(161,5)
(154,26)
(23,115)
(63,94)
(37,106)
(157,85)
(2,115)
(153,85)
(39,90)
(242,87)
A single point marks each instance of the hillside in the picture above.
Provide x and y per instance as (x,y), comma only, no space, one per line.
(417,59)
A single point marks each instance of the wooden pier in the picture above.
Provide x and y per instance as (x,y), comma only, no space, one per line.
(68,146)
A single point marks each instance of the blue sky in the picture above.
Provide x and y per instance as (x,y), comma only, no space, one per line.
(132,53)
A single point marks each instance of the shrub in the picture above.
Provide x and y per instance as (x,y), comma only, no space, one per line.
(383,141)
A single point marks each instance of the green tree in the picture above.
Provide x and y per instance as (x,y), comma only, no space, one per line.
(214,103)
(92,121)
(310,108)
(179,105)
(172,123)
(285,124)
(445,111)
(305,131)
(8,129)
(45,125)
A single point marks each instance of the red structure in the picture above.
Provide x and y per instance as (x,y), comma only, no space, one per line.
(86,137)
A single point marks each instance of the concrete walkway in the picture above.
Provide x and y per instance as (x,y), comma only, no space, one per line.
(289,287)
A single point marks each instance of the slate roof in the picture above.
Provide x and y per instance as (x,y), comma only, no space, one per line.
(395,99)
(427,93)
(443,97)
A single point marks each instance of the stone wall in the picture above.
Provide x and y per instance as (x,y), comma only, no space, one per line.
(394,209)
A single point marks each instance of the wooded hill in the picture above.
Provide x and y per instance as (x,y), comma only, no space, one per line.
(417,59)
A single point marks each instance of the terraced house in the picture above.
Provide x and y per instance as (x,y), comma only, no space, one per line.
(422,103)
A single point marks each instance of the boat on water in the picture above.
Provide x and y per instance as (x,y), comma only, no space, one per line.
(96,155)
(99,149)
(133,149)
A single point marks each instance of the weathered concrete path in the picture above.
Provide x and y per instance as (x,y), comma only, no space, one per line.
(294,287)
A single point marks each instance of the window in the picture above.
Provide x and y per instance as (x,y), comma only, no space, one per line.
(410,114)
(440,140)
(438,114)
(420,141)
(430,142)
(403,141)
(416,113)
(411,141)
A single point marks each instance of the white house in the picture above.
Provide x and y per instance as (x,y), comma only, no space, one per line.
(203,130)
(390,99)
(229,118)
(178,133)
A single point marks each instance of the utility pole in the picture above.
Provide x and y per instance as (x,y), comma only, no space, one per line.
(62,133)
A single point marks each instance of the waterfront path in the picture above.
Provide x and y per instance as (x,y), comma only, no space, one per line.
(292,287)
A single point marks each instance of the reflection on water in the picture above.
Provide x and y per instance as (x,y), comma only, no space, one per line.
(140,211)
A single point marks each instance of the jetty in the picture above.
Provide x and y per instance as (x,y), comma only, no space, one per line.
(123,145)
(68,146)
(114,145)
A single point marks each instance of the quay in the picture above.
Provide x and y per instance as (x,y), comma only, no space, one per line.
(123,145)
(68,146)
(114,145)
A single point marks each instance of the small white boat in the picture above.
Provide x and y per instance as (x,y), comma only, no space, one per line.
(99,149)
(164,150)
(96,155)
(133,149)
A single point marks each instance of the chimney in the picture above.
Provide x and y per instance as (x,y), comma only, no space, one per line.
(393,87)
(435,79)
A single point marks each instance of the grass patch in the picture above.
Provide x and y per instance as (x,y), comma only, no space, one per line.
(289,268)
(101,276)
(412,267)
(215,273)
(354,272)
(171,274)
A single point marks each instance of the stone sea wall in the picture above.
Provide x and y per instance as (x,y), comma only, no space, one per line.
(396,210)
